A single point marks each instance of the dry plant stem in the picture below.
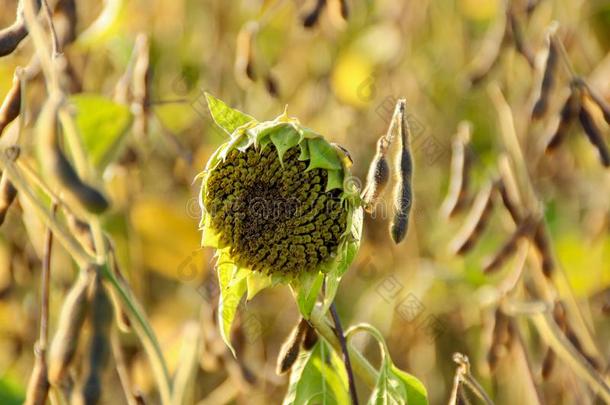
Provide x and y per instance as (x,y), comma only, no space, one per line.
(360,364)
(46,277)
(121,367)
(463,373)
(530,380)
(565,350)
(49,17)
(346,359)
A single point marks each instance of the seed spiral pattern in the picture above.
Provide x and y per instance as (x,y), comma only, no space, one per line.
(275,218)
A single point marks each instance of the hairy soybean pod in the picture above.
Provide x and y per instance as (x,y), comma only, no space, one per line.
(244,54)
(310,339)
(475,222)
(38,386)
(542,245)
(548,363)
(568,112)
(377,177)
(71,319)
(11,104)
(100,315)
(402,189)
(510,246)
(593,133)
(12,36)
(7,196)
(500,339)
(311,18)
(290,349)
(344,9)
(459,175)
(519,39)
(56,163)
(548,78)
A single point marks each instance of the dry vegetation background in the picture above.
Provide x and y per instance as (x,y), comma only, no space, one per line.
(341,78)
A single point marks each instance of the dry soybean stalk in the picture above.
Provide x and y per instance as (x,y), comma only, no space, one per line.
(500,339)
(548,76)
(38,386)
(463,376)
(459,179)
(475,222)
(402,188)
(141,84)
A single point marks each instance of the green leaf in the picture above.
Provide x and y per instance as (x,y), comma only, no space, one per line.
(304,150)
(256,283)
(307,287)
(322,155)
(102,124)
(416,391)
(10,392)
(284,138)
(318,377)
(226,117)
(347,252)
(335,180)
(231,294)
(393,386)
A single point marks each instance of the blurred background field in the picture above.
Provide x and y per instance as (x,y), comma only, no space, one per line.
(342,79)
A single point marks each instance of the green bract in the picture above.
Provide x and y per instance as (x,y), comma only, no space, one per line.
(277,210)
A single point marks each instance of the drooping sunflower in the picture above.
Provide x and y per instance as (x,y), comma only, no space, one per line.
(280,207)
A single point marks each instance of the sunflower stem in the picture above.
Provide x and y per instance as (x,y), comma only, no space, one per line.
(346,360)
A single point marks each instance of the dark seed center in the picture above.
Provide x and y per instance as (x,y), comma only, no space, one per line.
(274,217)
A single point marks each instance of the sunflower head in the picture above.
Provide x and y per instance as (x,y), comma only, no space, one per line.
(279,207)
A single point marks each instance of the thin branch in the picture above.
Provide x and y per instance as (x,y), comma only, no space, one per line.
(346,360)
(121,368)
(49,17)
(45,280)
